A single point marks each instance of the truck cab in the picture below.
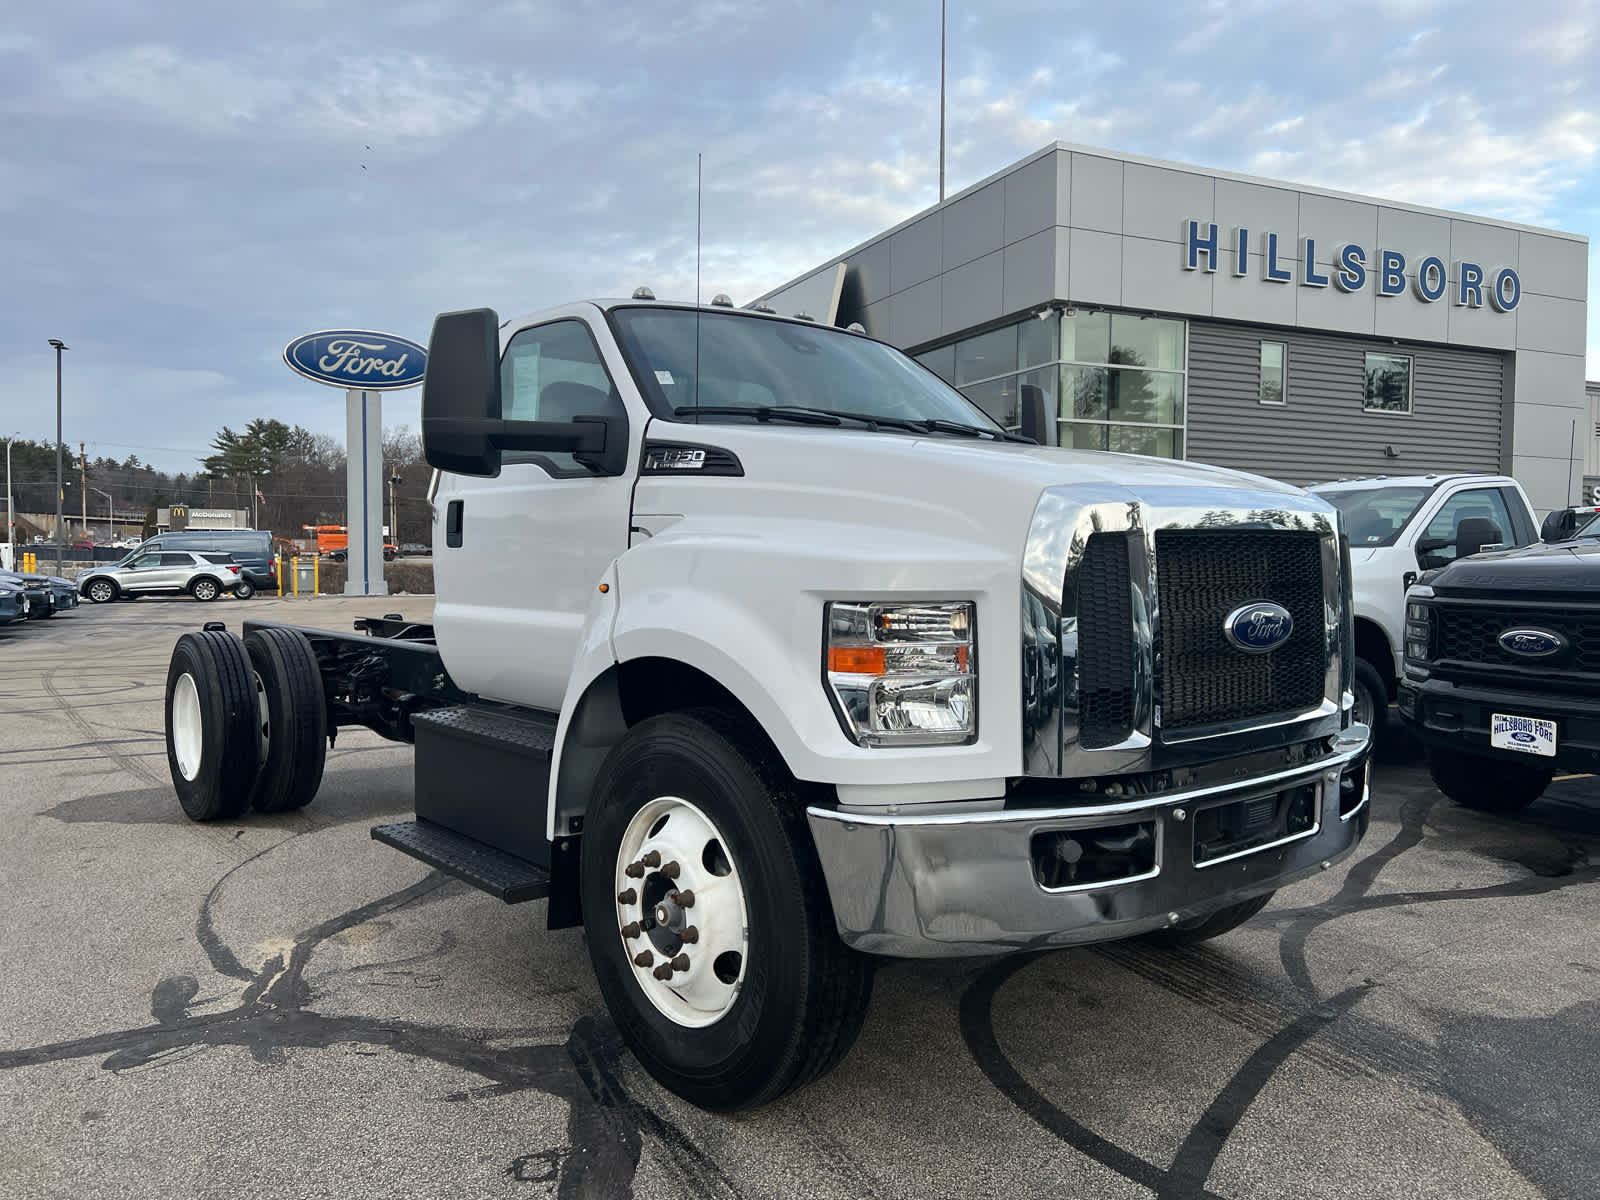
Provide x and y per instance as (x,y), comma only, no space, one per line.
(1400,526)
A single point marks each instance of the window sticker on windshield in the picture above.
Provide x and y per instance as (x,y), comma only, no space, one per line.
(664,377)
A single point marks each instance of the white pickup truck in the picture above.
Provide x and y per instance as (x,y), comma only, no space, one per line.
(1400,526)
(761,652)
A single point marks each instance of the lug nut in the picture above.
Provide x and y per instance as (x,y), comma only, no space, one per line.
(643,959)
(671,870)
(689,934)
(631,929)
(681,963)
(634,870)
(664,971)
(683,899)
(652,860)
(627,897)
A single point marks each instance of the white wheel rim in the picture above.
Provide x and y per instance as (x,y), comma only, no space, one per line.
(704,974)
(263,719)
(187,739)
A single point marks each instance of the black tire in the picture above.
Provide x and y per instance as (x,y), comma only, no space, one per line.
(211,740)
(1203,929)
(295,722)
(205,589)
(243,590)
(1372,699)
(1488,784)
(803,993)
(102,591)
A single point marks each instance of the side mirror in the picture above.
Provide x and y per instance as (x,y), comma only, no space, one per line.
(461,392)
(462,429)
(1035,422)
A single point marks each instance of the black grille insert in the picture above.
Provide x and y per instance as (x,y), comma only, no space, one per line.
(1470,634)
(1105,642)
(1202,575)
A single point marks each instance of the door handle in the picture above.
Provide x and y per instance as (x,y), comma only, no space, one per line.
(452,523)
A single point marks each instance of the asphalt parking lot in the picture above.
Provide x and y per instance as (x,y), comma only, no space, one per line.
(279,1006)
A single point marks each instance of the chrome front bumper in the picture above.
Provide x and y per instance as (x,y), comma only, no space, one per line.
(949,883)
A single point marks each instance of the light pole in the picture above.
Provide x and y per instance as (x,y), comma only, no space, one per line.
(111,516)
(60,346)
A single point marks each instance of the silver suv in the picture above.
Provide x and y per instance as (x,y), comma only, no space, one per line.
(155,571)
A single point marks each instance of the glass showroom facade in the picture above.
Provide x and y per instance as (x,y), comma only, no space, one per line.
(1110,380)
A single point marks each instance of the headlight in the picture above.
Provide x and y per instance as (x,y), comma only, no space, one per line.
(5,591)
(903,674)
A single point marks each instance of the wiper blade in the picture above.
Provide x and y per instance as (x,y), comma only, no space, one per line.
(800,416)
(933,425)
(1001,435)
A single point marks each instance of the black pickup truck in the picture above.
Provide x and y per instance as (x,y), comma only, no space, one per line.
(1502,671)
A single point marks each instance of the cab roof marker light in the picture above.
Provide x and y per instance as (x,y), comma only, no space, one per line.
(643,293)
(722,300)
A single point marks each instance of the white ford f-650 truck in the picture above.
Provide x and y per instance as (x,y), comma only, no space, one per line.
(759,652)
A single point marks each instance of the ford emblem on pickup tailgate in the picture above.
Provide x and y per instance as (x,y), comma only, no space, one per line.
(1259,626)
(1532,643)
(362,359)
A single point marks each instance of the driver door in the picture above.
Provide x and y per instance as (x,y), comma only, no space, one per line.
(518,558)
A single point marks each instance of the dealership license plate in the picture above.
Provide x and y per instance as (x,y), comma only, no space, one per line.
(1525,735)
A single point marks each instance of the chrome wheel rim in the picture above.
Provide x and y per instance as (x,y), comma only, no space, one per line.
(205,590)
(187,727)
(100,591)
(681,912)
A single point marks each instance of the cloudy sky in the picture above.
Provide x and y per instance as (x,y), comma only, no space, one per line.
(186,185)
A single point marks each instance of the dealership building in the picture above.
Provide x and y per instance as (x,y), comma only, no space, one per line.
(1291,331)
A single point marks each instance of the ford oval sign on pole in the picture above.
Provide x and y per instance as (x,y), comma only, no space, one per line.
(357,358)
(365,363)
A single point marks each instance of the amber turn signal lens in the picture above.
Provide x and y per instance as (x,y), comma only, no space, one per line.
(856,660)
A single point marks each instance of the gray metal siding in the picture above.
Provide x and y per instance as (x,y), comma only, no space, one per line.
(1322,433)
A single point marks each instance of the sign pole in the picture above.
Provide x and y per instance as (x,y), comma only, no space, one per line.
(364,494)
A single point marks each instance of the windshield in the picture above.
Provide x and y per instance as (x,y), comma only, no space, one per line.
(738,362)
(1375,516)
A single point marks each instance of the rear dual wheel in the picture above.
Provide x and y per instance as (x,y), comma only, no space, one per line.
(707,919)
(246,723)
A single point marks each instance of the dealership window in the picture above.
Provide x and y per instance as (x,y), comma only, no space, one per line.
(1274,372)
(1112,381)
(1388,383)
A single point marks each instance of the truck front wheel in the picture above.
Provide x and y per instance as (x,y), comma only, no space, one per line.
(1490,784)
(707,920)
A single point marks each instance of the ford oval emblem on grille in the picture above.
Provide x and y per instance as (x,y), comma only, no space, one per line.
(1532,643)
(1259,626)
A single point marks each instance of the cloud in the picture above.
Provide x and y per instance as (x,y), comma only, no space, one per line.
(186,191)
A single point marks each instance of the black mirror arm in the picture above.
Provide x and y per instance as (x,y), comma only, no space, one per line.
(550,435)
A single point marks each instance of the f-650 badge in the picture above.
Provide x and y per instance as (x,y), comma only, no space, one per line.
(675,458)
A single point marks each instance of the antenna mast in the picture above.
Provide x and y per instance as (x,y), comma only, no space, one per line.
(941,100)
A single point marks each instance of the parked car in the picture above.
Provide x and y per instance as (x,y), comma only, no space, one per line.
(173,572)
(1398,527)
(13,604)
(36,589)
(251,549)
(411,549)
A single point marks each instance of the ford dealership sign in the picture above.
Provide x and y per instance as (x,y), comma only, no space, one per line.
(1207,248)
(357,358)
